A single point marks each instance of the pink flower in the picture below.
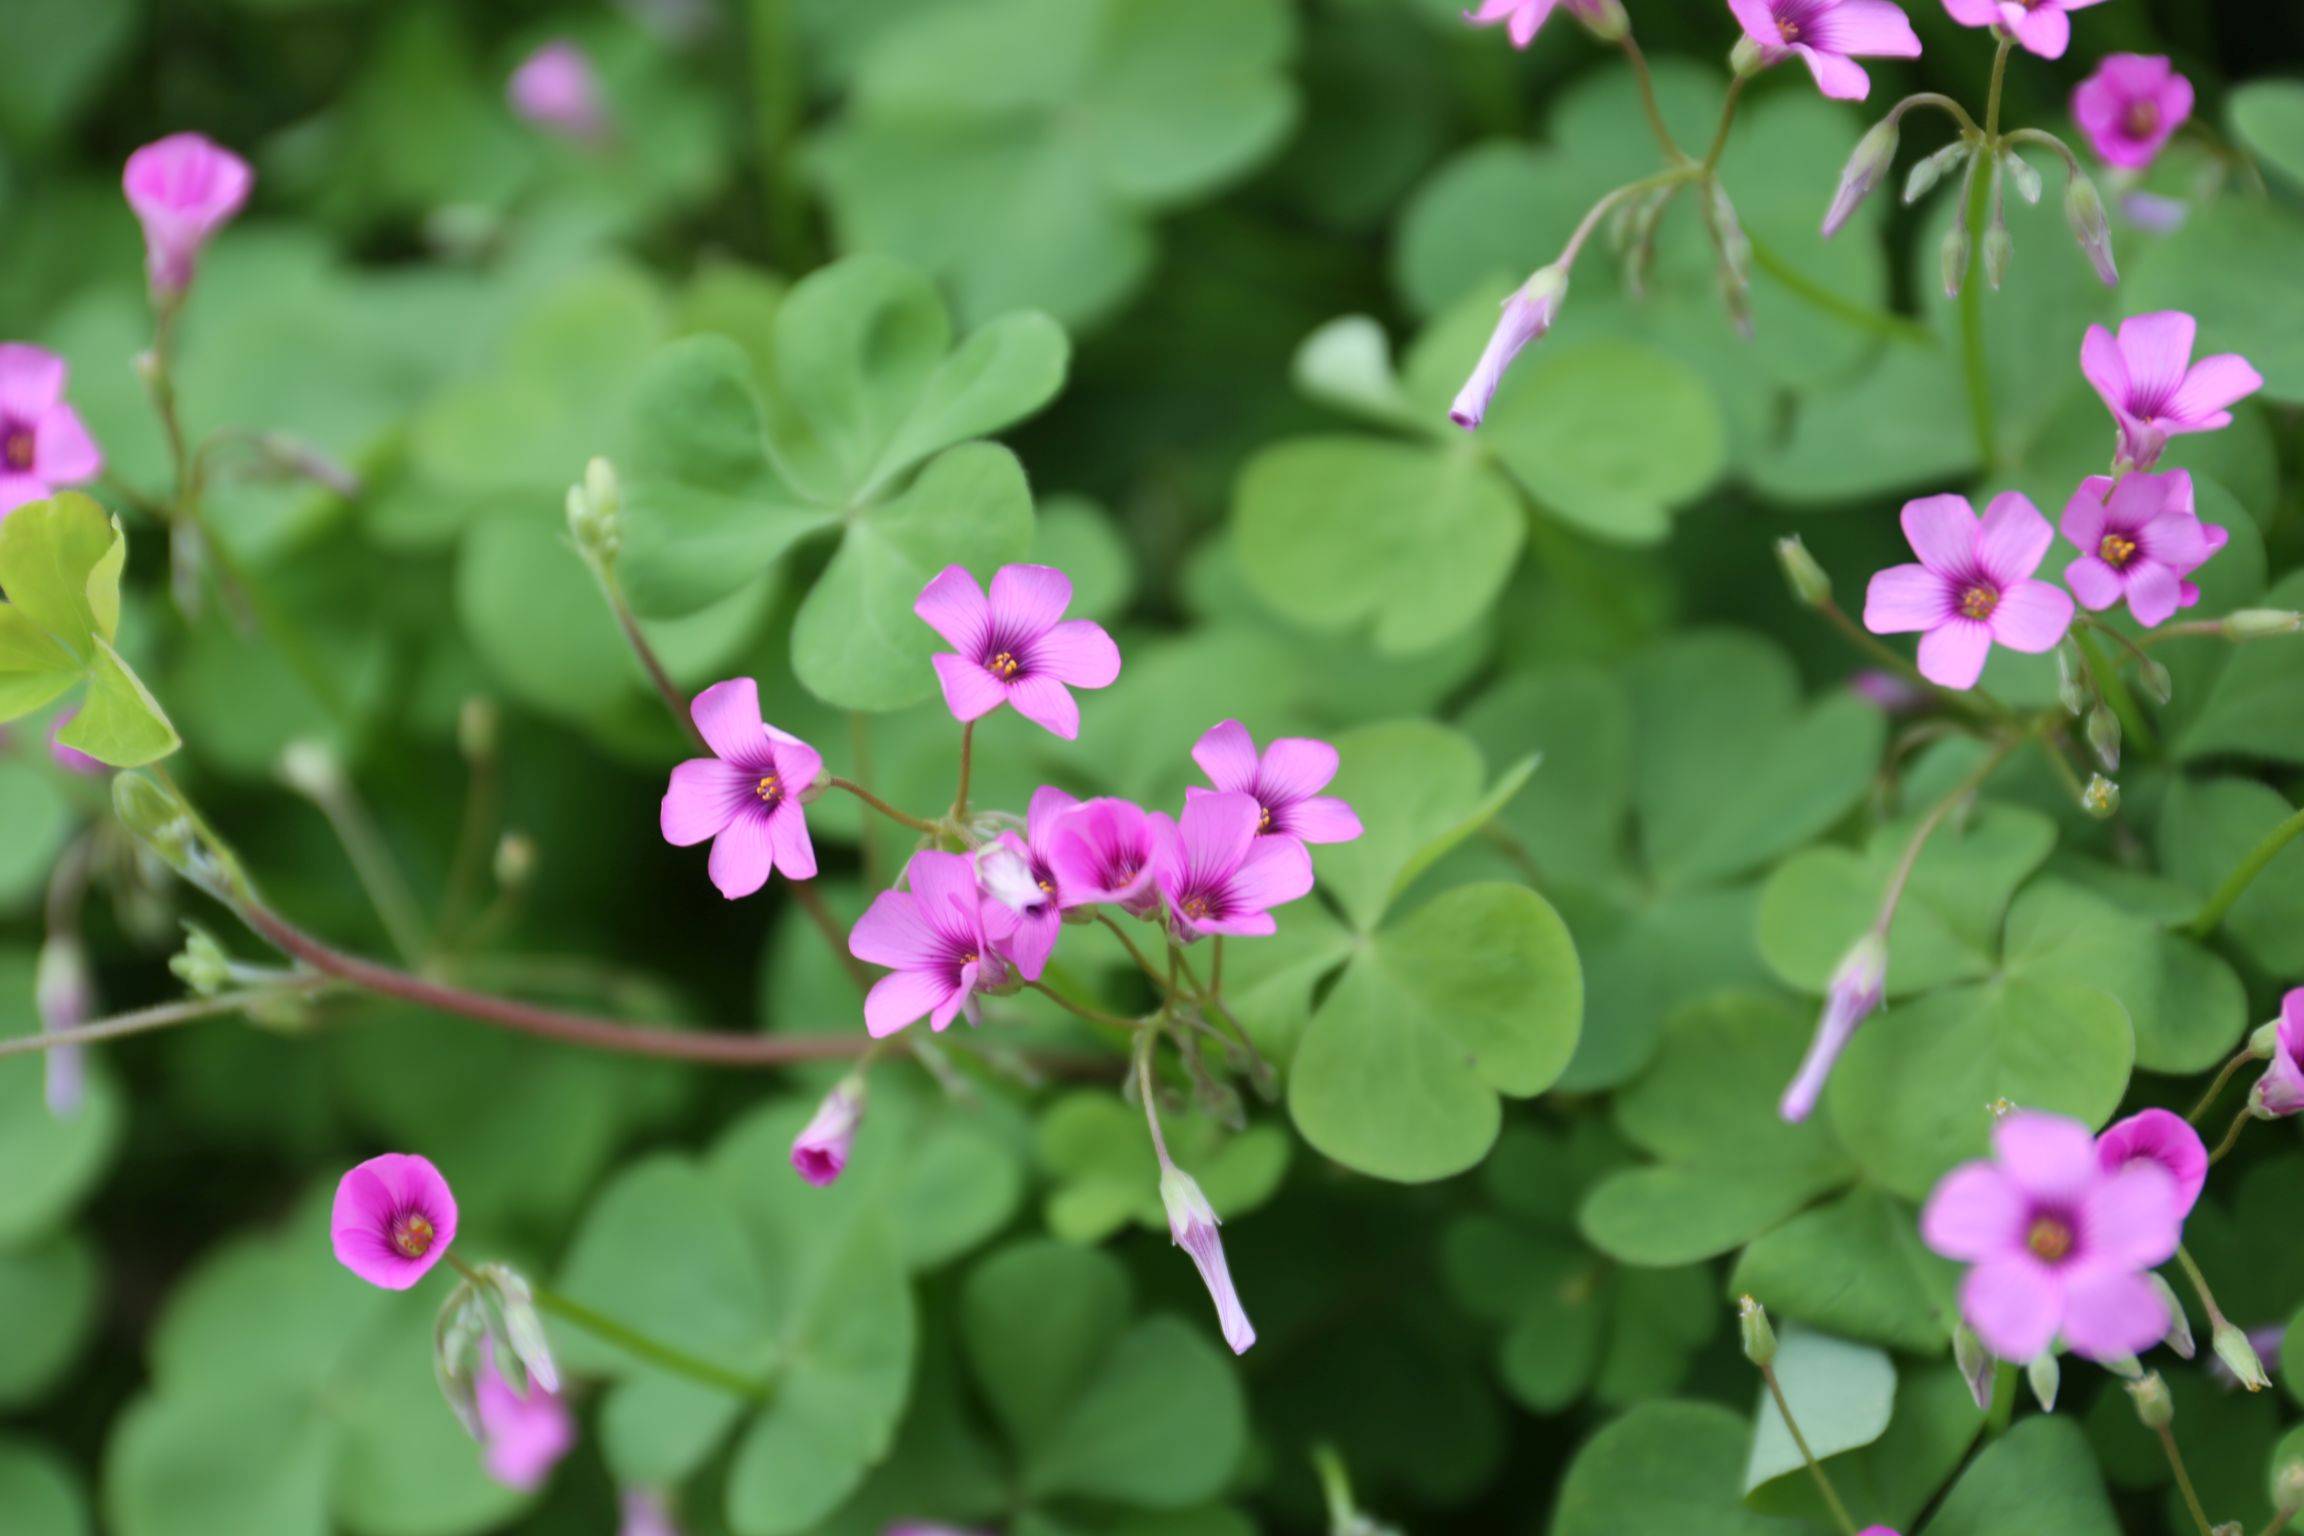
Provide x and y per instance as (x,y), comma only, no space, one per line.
(2130,106)
(2153,388)
(522,1435)
(1101,851)
(1020,874)
(747,796)
(1858,984)
(1828,35)
(1526,316)
(820,1151)
(1285,782)
(1192,1224)
(645,1513)
(2280,1091)
(1972,586)
(72,759)
(557,89)
(938,940)
(2140,544)
(1018,648)
(1523,18)
(394,1217)
(2058,1245)
(2161,1138)
(1217,875)
(183,189)
(42,443)
(2040,25)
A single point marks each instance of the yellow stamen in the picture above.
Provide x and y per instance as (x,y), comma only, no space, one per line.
(2049,1239)
(768,789)
(2116,551)
(1978,602)
(1004,666)
(412,1235)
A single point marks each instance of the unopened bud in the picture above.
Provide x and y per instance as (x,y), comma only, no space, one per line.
(2071,692)
(2288,1484)
(2084,212)
(2264,1040)
(1801,572)
(2045,1375)
(1604,19)
(457,1334)
(595,513)
(2239,1357)
(310,768)
(2153,1406)
(1975,1364)
(2026,179)
(1926,173)
(2103,732)
(515,860)
(1867,166)
(2126,1367)
(2261,623)
(1999,250)
(2101,797)
(1728,229)
(525,1352)
(2179,1334)
(1759,1339)
(477,720)
(147,366)
(64,995)
(1952,258)
(1744,58)
(2153,678)
(201,964)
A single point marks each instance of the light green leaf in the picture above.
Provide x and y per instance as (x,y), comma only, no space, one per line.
(119,722)
(1841,1395)
(2255,707)
(2186,1004)
(39,1491)
(2206,828)
(39,817)
(1417,788)
(2268,117)
(50,1288)
(2228,267)
(2038,1478)
(1854,1265)
(1106,1176)
(1664,1466)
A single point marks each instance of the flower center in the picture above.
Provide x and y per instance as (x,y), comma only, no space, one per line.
(1195,907)
(16,449)
(1788,29)
(2050,1239)
(1047,886)
(1263,818)
(1004,665)
(1978,602)
(411,1234)
(768,789)
(2116,551)
(2143,118)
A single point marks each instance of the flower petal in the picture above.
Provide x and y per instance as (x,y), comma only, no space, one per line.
(1227,754)
(788,842)
(2033,616)
(62,451)
(2044,30)
(1952,654)
(893,933)
(1294,768)
(1758,19)
(1870,28)
(2129,1219)
(728,716)
(2212,385)
(2104,368)
(1942,531)
(2154,593)
(954,606)
(1076,652)
(1904,598)
(2162,1137)
(705,795)
(1318,819)
(2014,1305)
(1046,703)
(742,855)
(1276,871)
(1027,601)
(1838,77)
(901,998)
(2110,1312)
(2013,538)
(970,692)
(2094,583)
(2049,1157)
(2157,348)
(1215,833)
(31,380)
(1975,1212)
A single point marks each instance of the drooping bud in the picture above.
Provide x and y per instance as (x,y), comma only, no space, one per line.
(2084,213)
(1924,175)
(159,819)
(2264,1040)
(2100,798)
(1999,250)
(2261,623)
(2103,731)
(2126,1367)
(2239,1356)
(1857,986)
(310,768)
(1744,59)
(1952,258)
(456,1337)
(2026,179)
(1525,317)
(523,1353)
(65,996)
(2153,1405)
(1604,19)
(595,515)
(2045,1375)
(2179,1335)
(2071,692)
(515,861)
(1806,578)
(1867,167)
(2288,1484)
(2153,678)
(820,1151)
(1975,1363)
(1752,1326)
(1192,1224)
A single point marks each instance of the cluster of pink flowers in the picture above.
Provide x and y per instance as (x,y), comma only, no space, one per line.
(2061,1230)
(2136,533)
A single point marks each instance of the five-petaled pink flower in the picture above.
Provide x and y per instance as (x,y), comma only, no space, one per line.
(2153,388)
(1526,315)
(42,443)
(1017,648)
(2279,1093)
(938,940)
(2130,106)
(2162,1138)
(820,1151)
(523,1435)
(557,89)
(2058,1244)
(1522,18)
(1285,782)
(1101,851)
(1217,875)
(2139,544)
(394,1217)
(1020,873)
(2040,25)
(182,189)
(747,796)
(1829,36)
(1972,586)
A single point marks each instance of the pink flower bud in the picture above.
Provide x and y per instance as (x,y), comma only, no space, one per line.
(1855,992)
(820,1151)
(523,1435)
(1192,1223)
(2279,1093)
(1527,315)
(393,1220)
(65,996)
(183,189)
(557,89)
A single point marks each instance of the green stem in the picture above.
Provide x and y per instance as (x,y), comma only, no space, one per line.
(2184,1480)
(1134,953)
(1840,1515)
(1150,1096)
(1971,291)
(2114,688)
(1656,124)
(2199,1283)
(1975,701)
(1727,119)
(1079,1010)
(162,1016)
(1879,322)
(374,867)
(967,766)
(2281,1519)
(2240,1059)
(2231,1137)
(643,1347)
(2236,883)
(883,807)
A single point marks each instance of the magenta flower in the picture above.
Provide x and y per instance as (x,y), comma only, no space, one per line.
(1829,36)
(393,1219)
(1523,18)
(42,443)
(2164,1139)
(182,189)
(2153,388)
(820,1151)
(1017,648)
(1972,586)
(2130,106)
(1020,874)
(1101,851)
(2040,25)
(557,89)
(1192,1224)
(938,939)
(1217,875)
(2139,545)
(1285,782)
(2279,1093)
(522,1435)
(1526,316)
(2058,1245)
(747,796)
(1858,984)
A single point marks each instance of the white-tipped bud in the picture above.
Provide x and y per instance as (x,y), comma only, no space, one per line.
(2100,798)
(1999,250)
(1755,1332)
(2261,623)
(1867,167)
(1192,1223)
(310,768)
(1975,1363)
(2153,1405)
(2153,678)
(2021,174)
(2103,731)
(2046,1376)
(595,514)
(1744,58)
(524,1354)
(2084,213)
(1952,258)
(1802,574)
(515,860)
(2239,1357)
(2071,692)
(1925,173)
(1604,19)
(2179,1335)
(477,723)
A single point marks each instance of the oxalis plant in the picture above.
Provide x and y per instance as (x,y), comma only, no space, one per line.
(1939,1006)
